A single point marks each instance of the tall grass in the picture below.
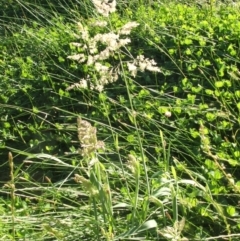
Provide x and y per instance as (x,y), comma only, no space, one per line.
(111,132)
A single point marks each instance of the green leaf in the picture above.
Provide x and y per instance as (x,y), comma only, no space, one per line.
(231,210)
(143,93)
(61,59)
(238,105)
(194,133)
(61,92)
(237,154)
(35,110)
(233,162)
(209,92)
(7,125)
(219,84)
(237,93)
(130,138)
(210,116)
(188,41)
(147,225)
(188,51)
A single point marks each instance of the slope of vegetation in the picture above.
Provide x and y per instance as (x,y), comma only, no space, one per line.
(119,124)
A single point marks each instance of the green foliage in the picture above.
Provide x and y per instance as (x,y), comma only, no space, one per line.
(170,166)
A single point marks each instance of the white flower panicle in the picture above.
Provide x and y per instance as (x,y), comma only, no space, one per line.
(110,43)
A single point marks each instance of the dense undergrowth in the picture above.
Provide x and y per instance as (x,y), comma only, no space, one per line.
(135,142)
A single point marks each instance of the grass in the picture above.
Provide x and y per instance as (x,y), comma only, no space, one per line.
(119,125)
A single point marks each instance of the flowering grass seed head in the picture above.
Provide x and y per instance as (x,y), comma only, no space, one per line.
(134,165)
(87,185)
(88,138)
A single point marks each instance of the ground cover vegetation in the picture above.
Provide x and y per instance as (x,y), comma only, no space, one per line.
(119,121)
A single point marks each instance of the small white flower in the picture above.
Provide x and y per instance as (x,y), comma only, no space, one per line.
(92,43)
(97,37)
(123,42)
(76,44)
(83,84)
(112,44)
(142,66)
(110,39)
(127,28)
(85,46)
(85,35)
(80,26)
(79,57)
(152,62)
(90,60)
(113,77)
(145,63)
(104,54)
(153,68)
(99,87)
(168,114)
(132,68)
(83,30)
(93,50)
(103,80)
(99,24)
(93,162)
(105,7)
(140,58)
(101,68)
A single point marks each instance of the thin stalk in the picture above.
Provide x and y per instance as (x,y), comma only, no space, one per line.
(138,135)
(115,142)
(12,188)
(97,228)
